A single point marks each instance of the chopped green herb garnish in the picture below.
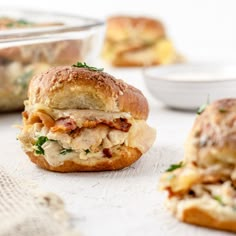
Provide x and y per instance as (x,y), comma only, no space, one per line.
(174,167)
(23,80)
(87,151)
(20,22)
(41,140)
(84,65)
(23,22)
(218,199)
(202,108)
(65,151)
(10,24)
(39,151)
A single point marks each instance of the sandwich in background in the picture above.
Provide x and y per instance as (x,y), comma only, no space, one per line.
(137,41)
(202,188)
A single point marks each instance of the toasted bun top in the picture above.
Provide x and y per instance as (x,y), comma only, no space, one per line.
(121,28)
(213,137)
(68,87)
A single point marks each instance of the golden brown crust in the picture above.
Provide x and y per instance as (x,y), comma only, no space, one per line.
(195,215)
(213,136)
(119,160)
(67,87)
(125,27)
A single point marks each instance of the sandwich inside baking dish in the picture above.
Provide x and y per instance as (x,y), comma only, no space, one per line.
(31,42)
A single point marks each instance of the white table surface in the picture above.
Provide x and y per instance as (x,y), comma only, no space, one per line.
(117,203)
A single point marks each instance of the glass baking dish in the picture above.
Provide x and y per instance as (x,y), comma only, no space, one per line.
(33,41)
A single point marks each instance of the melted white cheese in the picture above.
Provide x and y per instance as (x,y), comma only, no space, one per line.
(205,198)
(79,116)
(141,136)
(54,156)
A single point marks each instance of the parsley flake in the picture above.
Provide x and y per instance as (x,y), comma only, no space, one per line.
(9,25)
(20,22)
(23,80)
(23,22)
(41,140)
(65,151)
(87,151)
(202,108)
(174,167)
(84,65)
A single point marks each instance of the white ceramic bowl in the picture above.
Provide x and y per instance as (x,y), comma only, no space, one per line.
(187,86)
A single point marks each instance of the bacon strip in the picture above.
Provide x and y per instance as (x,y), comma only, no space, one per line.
(64,125)
(67,124)
(25,115)
(107,152)
(120,124)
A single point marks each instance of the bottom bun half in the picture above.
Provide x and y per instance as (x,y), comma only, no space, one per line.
(121,158)
(201,217)
(204,212)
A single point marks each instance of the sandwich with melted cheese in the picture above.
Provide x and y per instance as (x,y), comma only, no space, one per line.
(202,188)
(79,118)
(137,41)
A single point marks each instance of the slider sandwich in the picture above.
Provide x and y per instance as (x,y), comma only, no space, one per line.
(78,118)
(137,41)
(202,188)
